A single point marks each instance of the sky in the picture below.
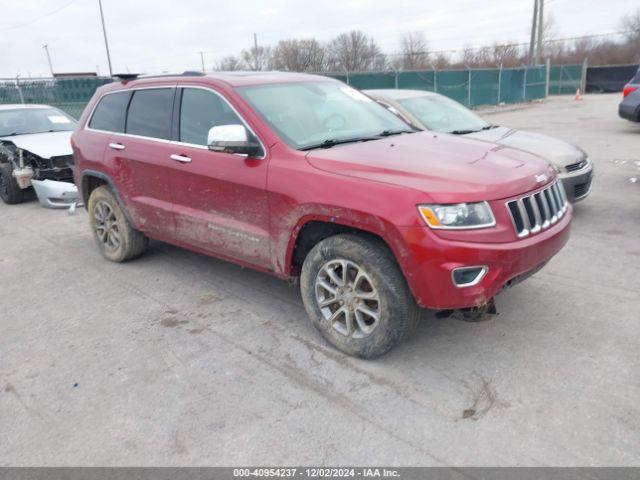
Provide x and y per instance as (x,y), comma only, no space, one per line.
(152,36)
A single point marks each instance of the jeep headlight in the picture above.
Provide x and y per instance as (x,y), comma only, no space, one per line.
(458,216)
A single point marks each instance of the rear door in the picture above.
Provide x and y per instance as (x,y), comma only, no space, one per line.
(220,198)
(139,159)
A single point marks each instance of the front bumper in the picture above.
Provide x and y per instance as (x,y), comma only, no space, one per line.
(52,194)
(577,185)
(431,260)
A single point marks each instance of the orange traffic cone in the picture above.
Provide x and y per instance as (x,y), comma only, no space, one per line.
(578,96)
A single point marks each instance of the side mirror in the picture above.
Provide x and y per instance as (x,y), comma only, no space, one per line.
(232,139)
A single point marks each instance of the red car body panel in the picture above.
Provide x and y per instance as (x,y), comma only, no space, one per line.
(251,211)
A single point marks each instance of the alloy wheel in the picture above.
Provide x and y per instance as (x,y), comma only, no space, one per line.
(106,225)
(347,298)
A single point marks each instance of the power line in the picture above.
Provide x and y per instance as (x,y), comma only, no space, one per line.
(20,25)
(522,44)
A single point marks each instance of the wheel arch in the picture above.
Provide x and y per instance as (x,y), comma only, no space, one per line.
(314,228)
(92,179)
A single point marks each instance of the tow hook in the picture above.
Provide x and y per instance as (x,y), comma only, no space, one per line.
(472,314)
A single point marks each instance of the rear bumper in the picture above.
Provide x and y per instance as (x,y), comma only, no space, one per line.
(577,185)
(431,260)
(629,111)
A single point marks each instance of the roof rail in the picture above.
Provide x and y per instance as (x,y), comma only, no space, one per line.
(133,76)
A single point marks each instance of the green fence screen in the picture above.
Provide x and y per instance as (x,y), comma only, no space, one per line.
(68,94)
(472,88)
(564,79)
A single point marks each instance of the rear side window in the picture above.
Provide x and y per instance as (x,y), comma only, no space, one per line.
(110,113)
(150,113)
(636,79)
(201,110)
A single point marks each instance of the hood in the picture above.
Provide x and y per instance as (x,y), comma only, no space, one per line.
(44,145)
(558,152)
(448,168)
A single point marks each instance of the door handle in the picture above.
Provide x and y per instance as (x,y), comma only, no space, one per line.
(116,146)
(180,158)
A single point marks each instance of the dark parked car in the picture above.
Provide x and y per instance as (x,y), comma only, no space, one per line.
(630,105)
(304,177)
(434,112)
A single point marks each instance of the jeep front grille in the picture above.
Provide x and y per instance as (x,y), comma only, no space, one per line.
(532,213)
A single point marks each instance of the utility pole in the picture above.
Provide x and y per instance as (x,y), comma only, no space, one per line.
(255,51)
(533,32)
(106,43)
(540,31)
(202,60)
(46,49)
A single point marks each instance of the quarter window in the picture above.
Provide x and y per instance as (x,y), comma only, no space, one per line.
(110,112)
(201,110)
(150,113)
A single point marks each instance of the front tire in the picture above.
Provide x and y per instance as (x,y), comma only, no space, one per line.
(10,191)
(356,295)
(117,240)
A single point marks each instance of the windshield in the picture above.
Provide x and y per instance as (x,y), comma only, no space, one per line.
(34,120)
(321,114)
(441,114)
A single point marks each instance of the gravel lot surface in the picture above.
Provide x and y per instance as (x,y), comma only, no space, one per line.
(181,359)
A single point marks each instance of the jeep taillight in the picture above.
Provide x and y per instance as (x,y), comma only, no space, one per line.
(627,90)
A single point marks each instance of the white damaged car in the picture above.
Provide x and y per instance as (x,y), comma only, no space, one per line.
(35,151)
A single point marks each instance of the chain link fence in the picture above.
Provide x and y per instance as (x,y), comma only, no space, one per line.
(565,79)
(471,87)
(68,94)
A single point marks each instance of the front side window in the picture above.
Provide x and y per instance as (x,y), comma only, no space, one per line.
(310,114)
(150,113)
(21,121)
(441,114)
(199,111)
(110,113)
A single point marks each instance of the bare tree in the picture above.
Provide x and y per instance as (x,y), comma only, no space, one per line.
(508,55)
(294,55)
(355,51)
(631,27)
(414,51)
(257,58)
(230,64)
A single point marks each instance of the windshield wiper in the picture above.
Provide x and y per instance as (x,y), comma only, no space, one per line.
(388,133)
(16,133)
(489,127)
(463,132)
(331,142)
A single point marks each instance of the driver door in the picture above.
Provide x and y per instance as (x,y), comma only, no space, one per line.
(220,199)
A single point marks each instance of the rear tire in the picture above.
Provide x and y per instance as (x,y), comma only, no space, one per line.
(117,240)
(10,191)
(356,295)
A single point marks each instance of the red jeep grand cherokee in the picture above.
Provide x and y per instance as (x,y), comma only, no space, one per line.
(303,176)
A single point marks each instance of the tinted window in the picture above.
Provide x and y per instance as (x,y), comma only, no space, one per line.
(636,79)
(150,113)
(201,110)
(110,112)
